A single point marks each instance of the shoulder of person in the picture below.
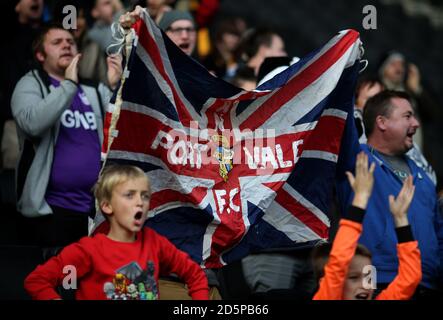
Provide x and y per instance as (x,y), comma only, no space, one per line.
(88,240)
(31,76)
(32,82)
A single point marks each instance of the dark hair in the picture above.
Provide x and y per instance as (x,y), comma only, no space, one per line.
(380,105)
(369,79)
(226,26)
(244,73)
(320,256)
(37,44)
(254,39)
(270,64)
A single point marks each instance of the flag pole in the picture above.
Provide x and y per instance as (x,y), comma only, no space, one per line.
(114,110)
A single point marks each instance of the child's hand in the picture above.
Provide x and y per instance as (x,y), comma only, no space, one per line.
(363,181)
(399,207)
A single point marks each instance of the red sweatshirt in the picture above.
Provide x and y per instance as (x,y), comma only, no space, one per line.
(108,269)
(343,249)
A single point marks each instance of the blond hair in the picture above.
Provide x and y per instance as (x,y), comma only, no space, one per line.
(112,176)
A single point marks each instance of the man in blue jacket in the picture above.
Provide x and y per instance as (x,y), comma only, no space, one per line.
(390,124)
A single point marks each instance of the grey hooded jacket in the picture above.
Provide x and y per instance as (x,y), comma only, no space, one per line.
(37,108)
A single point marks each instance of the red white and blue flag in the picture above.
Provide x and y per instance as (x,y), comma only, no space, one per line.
(234,172)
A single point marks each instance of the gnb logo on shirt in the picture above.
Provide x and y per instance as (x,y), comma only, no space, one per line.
(75,119)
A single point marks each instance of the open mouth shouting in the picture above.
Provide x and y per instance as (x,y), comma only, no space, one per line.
(184,46)
(410,136)
(138,218)
(362,296)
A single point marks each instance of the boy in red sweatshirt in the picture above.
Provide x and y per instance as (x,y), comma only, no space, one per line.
(343,274)
(124,264)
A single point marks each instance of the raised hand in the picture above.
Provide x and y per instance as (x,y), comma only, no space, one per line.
(363,181)
(71,72)
(114,69)
(399,206)
(129,18)
(413,81)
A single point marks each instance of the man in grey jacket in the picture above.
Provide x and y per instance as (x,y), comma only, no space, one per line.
(60,126)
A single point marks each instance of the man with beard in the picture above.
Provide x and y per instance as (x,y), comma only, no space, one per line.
(390,125)
(59,124)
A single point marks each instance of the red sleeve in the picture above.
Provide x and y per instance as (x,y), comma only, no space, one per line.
(42,282)
(206,11)
(409,273)
(343,250)
(176,261)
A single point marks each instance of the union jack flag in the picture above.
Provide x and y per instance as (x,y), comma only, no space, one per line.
(234,172)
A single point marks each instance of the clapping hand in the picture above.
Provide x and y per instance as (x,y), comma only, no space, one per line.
(399,206)
(363,181)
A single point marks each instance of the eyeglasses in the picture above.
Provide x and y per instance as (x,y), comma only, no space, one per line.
(177,31)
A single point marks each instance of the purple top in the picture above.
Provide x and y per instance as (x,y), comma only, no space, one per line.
(76,162)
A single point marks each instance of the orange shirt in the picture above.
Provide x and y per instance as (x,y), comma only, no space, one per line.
(343,249)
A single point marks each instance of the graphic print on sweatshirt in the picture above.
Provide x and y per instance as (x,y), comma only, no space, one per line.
(131,282)
(76,160)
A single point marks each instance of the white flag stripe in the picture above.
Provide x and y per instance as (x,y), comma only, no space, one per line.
(284,221)
(250,111)
(308,98)
(317,154)
(307,204)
